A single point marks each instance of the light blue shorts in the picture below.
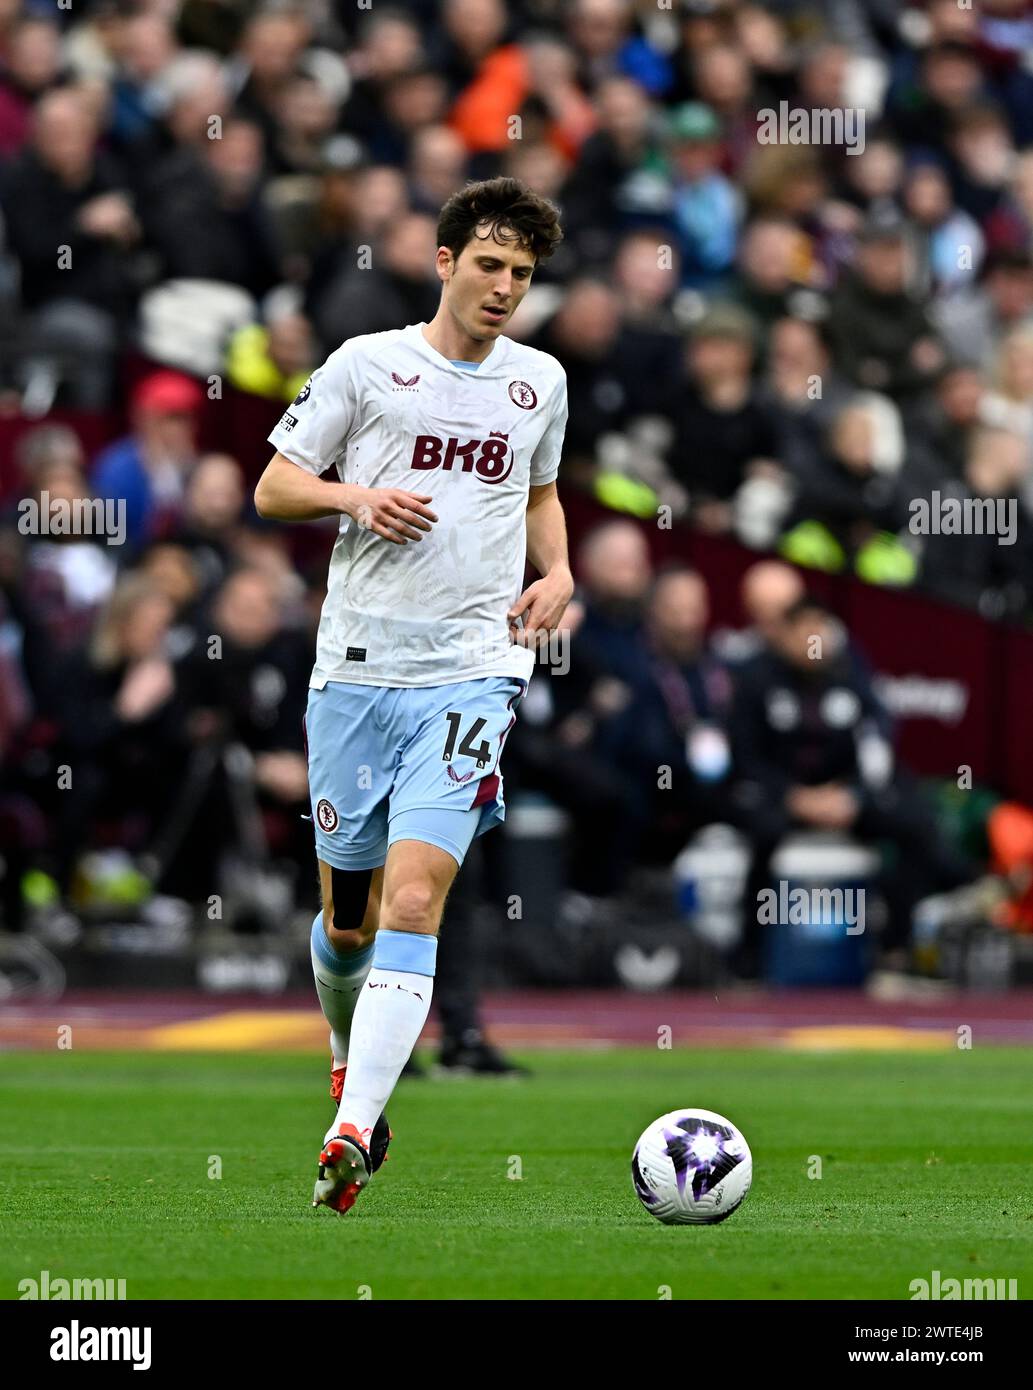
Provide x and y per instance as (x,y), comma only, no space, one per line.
(387,763)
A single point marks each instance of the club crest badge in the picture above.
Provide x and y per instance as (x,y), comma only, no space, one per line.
(523,395)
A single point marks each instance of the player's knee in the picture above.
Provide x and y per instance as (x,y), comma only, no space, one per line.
(355,939)
(411,907)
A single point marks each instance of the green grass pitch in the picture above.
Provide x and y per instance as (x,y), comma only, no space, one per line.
(105,1161)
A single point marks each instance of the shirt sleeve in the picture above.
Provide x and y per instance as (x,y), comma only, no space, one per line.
(545,462)
(314,428)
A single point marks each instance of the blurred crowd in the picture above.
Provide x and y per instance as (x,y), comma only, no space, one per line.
(789,341)
(662,726)
(786,343)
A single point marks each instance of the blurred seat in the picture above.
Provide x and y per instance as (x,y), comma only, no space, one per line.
(188,323)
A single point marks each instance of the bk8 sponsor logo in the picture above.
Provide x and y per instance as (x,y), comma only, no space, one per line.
(490,460)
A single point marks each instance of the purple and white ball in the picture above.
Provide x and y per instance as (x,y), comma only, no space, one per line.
(691,1167)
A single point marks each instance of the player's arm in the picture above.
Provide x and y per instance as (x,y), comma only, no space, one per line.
(543,602)
(311,434)
(286,492)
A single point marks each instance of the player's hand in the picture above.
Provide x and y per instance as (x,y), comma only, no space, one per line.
(391,512)
(541,606)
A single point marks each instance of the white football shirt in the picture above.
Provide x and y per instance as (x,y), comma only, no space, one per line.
(390,411)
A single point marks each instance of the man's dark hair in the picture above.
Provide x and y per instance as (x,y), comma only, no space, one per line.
(515,211)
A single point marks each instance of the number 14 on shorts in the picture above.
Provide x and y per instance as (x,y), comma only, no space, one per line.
(480,751)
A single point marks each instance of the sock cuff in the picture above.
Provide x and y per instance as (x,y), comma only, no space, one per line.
(337,962)
(414,953)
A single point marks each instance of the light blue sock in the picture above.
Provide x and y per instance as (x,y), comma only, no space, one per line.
(339,977)
(408,951)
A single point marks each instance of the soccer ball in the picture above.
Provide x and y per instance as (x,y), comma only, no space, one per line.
(691,1167)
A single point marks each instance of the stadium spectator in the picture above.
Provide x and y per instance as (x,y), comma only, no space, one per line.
(987,563)
(541,165)
(882,338)
(437,165)
(973,321)
(410,102)
(600,31)
(243,687)
(119,729)
(982,155)
(803,391)
(46,446)
(789,181)
(706,207)
(943,428)
(872,180)
(558,747)
(1011,226)
(33,65)
(723,82)
(951,244)
(768,590)
(273,359)
(811,750)
(272,53)
(249,681)
(66,576)
(943,83)
(1009,404)
(75,284)
(554,749)
(646,275)
(854,488)
(319,230)
(609,379)
(173,571)
(670,738)
(205,212)
(370,298)
(614,572)
(618,180)
(147,470)
(388,45)
(307,117)
(772,272)
(210,524)
(145,48)
(724,432)
(194,98)
(567,114)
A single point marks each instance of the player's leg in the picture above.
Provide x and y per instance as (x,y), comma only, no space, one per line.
(391,1009)
(350,761)
(447,789)
(394,1003)
(342,951)
(350,768)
